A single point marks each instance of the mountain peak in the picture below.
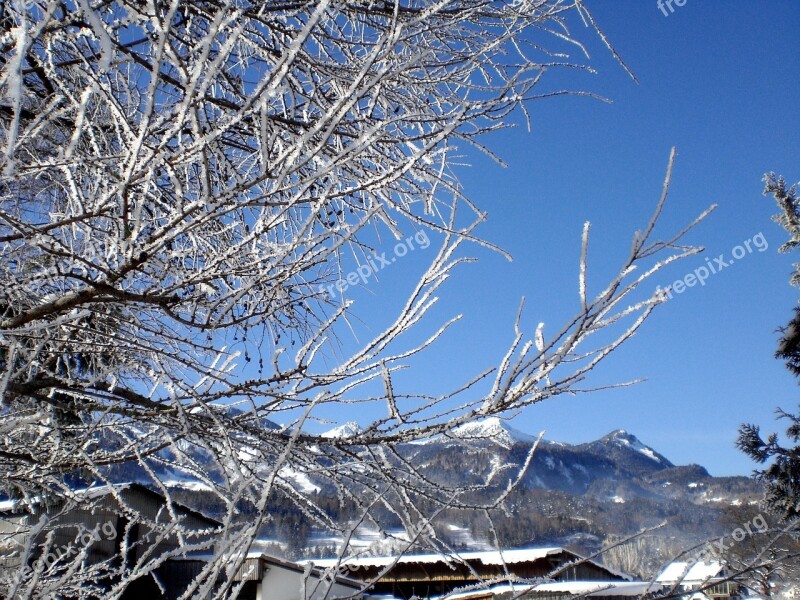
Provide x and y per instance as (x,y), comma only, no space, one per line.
(348,430)
(624,439)
(492,429)
(620,435)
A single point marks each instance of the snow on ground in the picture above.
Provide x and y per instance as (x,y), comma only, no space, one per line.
(301,480)
(463,536)
(623,437)
(193,485)
(689,573)
(649,453)
(369,541)
(365,540)
(267,545)
(564,470)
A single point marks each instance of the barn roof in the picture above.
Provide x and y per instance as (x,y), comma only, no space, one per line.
(100,491)
(487,558)
(687,572)
(492,557)
(573,588)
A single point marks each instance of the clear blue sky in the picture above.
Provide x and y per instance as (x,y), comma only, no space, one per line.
(721,82)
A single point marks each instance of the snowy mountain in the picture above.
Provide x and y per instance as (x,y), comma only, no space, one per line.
(576,495)
(347,430)
(616,468)
(623,439)
(571,494)
(613,470)
(619,445)
(470,452)
(492,430)
(627,452)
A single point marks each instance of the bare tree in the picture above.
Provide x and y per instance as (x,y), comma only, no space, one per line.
(183,182)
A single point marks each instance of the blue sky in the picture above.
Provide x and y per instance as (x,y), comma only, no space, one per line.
(721,82)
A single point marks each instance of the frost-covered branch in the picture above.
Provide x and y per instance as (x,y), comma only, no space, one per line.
(180,183)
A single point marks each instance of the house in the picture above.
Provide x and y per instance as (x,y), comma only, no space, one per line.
(263,577)
(103,518)
(103,521)
(270,578)
(116,525)
(709,579)
(431,575)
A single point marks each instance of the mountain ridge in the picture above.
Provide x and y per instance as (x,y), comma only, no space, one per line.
(579,495)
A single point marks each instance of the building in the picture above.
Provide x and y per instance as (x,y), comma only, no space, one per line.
(117,525)
(270,578)
(699,580)
(102,518)
(114,525)
(264,577)
(431,575)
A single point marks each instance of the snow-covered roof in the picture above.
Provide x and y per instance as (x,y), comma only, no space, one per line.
(598,588)
(269,560)
(98,491)
(491,557)
(686,572)
(84,493)
(575,588)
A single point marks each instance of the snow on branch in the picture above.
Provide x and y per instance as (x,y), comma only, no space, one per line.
(179,182)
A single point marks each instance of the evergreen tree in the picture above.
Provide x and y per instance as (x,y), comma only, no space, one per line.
(782,476)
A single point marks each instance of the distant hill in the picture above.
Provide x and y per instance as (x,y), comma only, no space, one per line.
(587,494)
(580,496)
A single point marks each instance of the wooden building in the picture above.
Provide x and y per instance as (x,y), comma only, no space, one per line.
(700,579)
(103,521)
(270,578)
(125,522)
(430,575)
